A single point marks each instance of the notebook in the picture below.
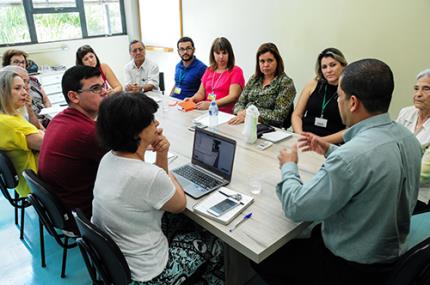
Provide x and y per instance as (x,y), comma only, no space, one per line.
(211,164)
(276,136)
(218,196)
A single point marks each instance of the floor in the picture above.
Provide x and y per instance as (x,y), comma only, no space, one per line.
(20,259)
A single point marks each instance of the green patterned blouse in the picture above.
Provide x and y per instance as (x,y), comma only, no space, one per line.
(273,101)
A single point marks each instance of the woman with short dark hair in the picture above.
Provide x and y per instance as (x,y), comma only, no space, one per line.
(222,80)
(85,55)
(131,195)
(269,89)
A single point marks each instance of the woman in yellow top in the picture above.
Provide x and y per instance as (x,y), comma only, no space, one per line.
(19,139)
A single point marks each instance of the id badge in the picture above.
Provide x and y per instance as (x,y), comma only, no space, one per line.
(211,96)
(321,122)
(177,90)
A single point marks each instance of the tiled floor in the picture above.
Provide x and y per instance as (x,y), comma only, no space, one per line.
(20,259)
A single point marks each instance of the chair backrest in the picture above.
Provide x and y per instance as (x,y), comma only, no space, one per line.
(161,82)
(8,177)
(104,253)
(50,209)
(413,267)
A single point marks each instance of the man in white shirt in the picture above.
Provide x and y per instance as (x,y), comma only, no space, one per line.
(141,74)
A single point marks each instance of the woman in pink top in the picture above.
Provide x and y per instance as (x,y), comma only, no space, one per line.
(222,78)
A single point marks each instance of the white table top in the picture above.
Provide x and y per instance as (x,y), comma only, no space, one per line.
(268,229)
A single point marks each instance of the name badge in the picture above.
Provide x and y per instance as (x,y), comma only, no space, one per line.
(177,90)
(321,122)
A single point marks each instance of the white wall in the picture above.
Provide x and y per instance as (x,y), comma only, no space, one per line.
(111,50)
(394,31)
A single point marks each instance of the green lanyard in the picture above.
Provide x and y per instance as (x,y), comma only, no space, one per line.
(324,103)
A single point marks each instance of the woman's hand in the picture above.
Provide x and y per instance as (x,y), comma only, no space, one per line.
(239,119)
(203,105)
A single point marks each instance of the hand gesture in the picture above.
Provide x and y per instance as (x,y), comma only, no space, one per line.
(239,119)
(311,142)
(286,155)
(202,105)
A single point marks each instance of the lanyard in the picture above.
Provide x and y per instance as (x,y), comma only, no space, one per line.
(216,83)
(324,103)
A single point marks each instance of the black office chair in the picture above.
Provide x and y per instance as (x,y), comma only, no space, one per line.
(9,180)
(102,256)
(58,221)
(413,268)
(161,82)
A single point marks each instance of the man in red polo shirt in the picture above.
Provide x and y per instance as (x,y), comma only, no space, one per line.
(70,153)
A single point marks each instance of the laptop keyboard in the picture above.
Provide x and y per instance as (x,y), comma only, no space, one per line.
(198,177)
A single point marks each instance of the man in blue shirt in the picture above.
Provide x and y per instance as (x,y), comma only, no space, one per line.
(189,70)
(364,193)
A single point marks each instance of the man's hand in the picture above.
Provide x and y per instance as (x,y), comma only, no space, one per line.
(134,88)
(288,156)
(311,142)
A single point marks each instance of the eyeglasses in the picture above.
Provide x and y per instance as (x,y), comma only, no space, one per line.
(182,50)
(18,62)
(96,89)
(137,50)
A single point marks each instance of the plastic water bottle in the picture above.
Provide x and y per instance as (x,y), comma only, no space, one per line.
(213,115)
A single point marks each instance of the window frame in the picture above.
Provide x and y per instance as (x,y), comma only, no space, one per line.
(30,11)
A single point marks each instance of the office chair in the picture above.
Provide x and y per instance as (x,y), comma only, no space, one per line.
(102,256)
(58,221)
(9,180)
(161,82)
(413,268)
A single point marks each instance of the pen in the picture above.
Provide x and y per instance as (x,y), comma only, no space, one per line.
(246,217)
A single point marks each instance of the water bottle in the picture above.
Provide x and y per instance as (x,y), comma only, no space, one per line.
(213,115)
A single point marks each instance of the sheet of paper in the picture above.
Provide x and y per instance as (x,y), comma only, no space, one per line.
(222,118)
(276,136)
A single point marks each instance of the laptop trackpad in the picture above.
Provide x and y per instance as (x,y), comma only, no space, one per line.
(190,188)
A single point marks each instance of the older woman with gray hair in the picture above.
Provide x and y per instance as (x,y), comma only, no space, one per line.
(417,119)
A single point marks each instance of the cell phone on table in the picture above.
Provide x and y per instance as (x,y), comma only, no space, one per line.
(223,207)
(197,125)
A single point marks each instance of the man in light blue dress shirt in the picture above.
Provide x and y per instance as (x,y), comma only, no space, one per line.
(364,193)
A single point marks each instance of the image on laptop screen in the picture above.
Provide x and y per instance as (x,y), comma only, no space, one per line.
(214,153)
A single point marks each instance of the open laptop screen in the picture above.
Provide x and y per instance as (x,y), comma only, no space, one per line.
(214,152)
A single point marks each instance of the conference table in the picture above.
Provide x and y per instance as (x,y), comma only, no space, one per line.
(268,229)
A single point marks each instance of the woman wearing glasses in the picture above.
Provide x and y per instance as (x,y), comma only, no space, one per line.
(85,55)
(131,196)
(222,80)
(316,110)
(19,139)
(417,119)
(39,99)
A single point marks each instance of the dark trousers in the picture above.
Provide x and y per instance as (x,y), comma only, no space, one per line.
(308,261)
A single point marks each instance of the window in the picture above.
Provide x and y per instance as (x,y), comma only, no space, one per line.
(39,21)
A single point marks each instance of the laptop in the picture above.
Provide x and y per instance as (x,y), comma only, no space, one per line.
(211,164)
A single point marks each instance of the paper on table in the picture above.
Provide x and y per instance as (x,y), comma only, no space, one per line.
(276,136)
(216,197)
(52,110)
(222,118)
(150,156)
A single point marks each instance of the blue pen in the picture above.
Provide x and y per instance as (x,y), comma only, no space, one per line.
(246,217)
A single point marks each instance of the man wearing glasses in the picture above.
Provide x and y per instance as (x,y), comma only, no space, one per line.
(189,70)
(141,74)
(70,154)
